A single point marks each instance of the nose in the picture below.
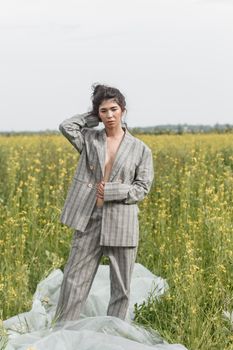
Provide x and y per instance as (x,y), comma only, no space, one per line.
(109,114)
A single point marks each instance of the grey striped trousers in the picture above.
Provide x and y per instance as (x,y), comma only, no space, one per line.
(82,265)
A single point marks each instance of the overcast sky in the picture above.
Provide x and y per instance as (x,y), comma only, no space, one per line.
(171,58)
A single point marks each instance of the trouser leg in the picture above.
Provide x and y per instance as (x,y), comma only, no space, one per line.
(122,261)
(80,269)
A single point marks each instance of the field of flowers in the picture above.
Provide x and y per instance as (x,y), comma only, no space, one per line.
(186,230)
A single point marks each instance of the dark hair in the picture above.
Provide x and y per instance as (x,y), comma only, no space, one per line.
(104,92)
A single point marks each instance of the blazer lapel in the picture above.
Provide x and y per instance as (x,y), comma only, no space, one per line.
(122,154)
(100,144)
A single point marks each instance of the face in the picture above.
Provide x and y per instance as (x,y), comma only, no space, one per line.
(110,113)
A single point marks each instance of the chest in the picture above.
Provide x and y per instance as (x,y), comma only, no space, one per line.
(112,147)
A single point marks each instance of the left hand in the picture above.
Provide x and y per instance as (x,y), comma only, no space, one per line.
(100,190)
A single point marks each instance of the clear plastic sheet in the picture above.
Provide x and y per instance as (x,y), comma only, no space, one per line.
(36,329)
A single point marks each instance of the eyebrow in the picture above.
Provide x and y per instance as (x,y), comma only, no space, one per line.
(104,108)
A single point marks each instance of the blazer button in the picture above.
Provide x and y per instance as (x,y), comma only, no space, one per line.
(91,167)
(90,185)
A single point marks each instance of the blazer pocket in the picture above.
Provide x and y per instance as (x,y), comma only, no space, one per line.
(80,180)
(88,184)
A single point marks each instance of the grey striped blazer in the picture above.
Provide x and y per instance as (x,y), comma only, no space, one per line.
(130,180)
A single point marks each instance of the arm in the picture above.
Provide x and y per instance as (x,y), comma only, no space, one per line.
(131,194)
(74,128)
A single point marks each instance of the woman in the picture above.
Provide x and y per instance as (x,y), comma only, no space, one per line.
(115,171)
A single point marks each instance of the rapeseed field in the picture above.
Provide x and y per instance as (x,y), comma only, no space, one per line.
(186,230)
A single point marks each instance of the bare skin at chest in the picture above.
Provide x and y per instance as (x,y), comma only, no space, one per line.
(111,151)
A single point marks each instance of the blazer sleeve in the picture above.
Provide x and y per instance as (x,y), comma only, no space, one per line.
(131,194)
(74,128)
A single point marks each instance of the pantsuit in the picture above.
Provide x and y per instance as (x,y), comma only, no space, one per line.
(82,266)
(112,230)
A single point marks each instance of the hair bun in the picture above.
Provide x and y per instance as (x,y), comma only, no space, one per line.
(97,88)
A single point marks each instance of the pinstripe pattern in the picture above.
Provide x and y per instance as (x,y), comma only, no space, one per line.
(81,268)
(130,180)
(121,268)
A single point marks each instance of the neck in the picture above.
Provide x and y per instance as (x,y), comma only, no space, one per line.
(114,132)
